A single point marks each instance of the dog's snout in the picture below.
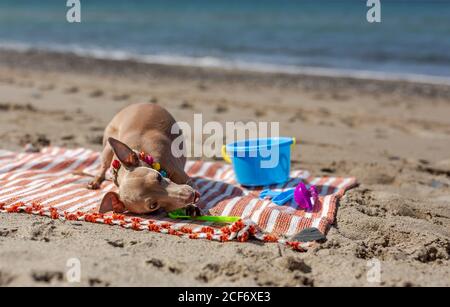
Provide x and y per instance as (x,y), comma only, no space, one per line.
(184,194)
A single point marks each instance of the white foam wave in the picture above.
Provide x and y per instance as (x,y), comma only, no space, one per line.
(214,62)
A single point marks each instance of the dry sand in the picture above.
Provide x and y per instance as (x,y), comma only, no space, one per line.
(393,136)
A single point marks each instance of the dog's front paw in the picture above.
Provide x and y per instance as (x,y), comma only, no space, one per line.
(94,184)
(193,211)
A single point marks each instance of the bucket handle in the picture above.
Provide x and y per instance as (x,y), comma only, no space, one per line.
(294,142)
(226,156)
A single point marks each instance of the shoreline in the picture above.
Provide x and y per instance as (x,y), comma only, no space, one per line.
(368,82)
(207,62)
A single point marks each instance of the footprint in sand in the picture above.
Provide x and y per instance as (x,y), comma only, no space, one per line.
(71,90)
(299,116)
(116,243)
(121,97)
(221,109)
(157,263)
(97,282)
(66,118)
(293,264)
(186,105)
(212,271)
(96,93)
(37,141)
(260,113)
(5,232)
(68,137)
(44,232)
(174,270)
(47,276)
(97,129)
(17,107)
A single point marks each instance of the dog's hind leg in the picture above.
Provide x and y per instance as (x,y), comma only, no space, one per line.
(107,156)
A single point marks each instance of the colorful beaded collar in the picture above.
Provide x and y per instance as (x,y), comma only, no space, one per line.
(146,158)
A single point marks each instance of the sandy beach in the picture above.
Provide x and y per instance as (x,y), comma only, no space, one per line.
(393,136)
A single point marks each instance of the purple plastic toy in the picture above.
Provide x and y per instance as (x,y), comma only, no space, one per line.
(305,198)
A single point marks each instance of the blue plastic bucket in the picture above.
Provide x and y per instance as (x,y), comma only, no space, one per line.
(260,162)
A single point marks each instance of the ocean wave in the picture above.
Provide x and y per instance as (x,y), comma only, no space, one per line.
(221,63)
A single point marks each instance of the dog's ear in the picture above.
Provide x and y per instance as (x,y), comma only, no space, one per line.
(124,153)
(111,202)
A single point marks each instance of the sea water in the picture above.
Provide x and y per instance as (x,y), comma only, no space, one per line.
(413,37)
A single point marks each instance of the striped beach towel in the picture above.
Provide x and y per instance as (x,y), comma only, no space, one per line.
(45,184)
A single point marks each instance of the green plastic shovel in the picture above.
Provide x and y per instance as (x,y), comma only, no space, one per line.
(181,214)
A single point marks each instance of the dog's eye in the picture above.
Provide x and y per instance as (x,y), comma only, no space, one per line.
(154,206)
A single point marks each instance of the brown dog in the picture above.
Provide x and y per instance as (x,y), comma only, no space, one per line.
(144,128)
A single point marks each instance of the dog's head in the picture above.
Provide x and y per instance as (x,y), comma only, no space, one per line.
(142,189)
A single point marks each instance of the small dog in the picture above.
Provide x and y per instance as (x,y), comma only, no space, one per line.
(139,136)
